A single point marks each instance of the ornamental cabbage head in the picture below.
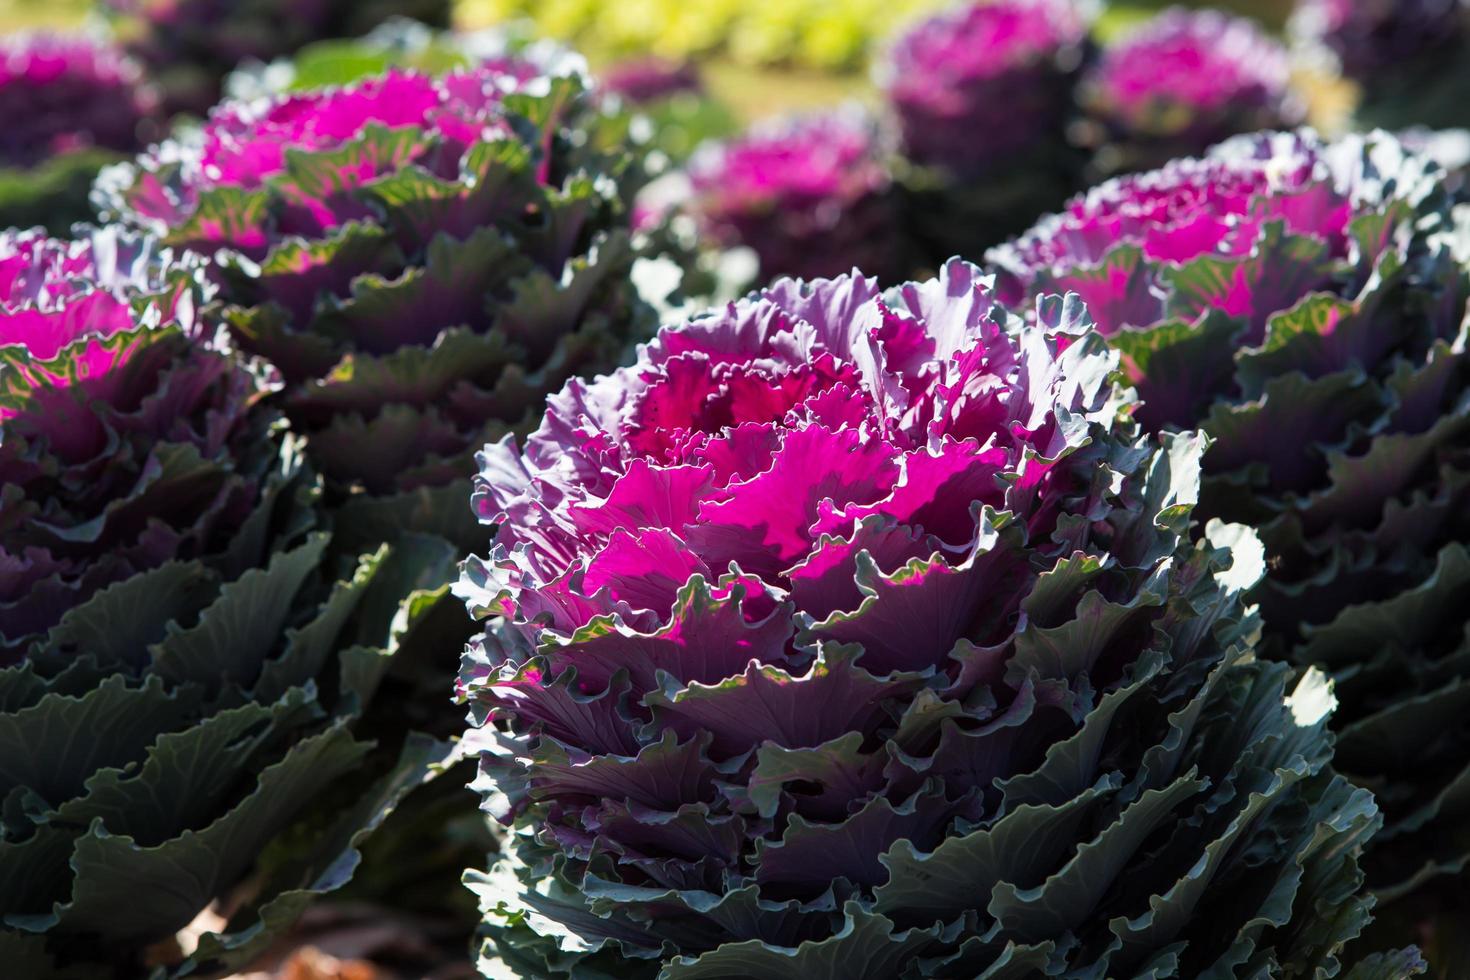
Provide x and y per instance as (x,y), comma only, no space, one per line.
(852,635)
(809,195)
(1304,304)
(72,104)
(982,95)
(977,87)
(61,93)
(423,259)
(177,675)
(1182,82)
(643,80)
(1370,37)
(1406,56)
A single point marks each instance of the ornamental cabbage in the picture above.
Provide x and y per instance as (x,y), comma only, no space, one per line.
(982,96)
(1406,56)
(189,46)
(1184,81)
(178,676)
(61,93)
(1304,304)
(809,195)
(852,635)
(71,104)
(643,80)
(422,258)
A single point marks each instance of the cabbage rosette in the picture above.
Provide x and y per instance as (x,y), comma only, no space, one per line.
(1182,82)
(422,258)
(809,195)
(177,677)
(851,634)
(1407,57)
(982,97)
(1304,304)
(72,104)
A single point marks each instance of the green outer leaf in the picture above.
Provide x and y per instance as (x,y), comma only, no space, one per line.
(124,892)
(118,624)
(362,521)
(249,616)
(189,776)
(333,858)
(1068,897)
(1021,846)
(53,746)
(868,947)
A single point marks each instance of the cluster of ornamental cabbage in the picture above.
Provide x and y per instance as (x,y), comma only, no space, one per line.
(236,433)
(858,634)
(999,109)
(72,103)
(1304,304)
(990,625)
(178,676)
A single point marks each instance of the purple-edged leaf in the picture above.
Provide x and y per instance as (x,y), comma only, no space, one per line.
(452,288)
(1281,269)
(226,216)
(911,618)
(969,756)
(416,375)
(811,855)
(557,708)
(765,704)
(496,183)
(646,570)
(664,775)
(324,183)
(1179,367)
(1322,335)
(707,639)
(691,832)
(299,272)
(1119,292)
(826,582)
